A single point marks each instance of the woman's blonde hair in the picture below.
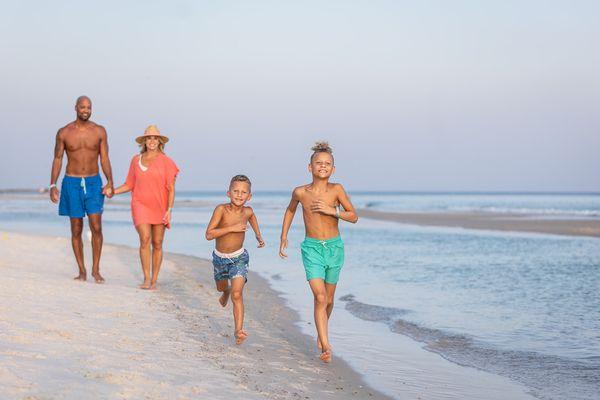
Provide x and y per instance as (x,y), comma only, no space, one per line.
(161,145)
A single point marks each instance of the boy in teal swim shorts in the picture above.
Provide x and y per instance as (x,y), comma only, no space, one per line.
(323,205)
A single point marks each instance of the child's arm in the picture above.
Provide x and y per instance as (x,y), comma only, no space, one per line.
(254,224)
(349,214)
(288,217)
(212,232)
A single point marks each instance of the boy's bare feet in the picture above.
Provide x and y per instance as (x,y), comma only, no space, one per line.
(326,355)
(224,298)
(81,277)
(145,285)
(97,277)
(240,336)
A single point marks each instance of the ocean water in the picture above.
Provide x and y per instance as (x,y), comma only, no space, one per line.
(540,204)
(524,306)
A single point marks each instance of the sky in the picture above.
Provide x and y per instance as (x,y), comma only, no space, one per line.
(412,95)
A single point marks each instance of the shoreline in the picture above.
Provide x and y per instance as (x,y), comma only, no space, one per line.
(491,222)
(278,361)
(173,343)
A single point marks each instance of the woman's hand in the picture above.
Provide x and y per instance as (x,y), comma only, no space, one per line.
(108,190)
(167,217)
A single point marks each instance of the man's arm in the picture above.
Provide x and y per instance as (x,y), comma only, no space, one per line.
(59,150)
(288,217)
(108,189)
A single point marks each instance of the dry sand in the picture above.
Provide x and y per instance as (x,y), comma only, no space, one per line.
(62,339)
(492,221)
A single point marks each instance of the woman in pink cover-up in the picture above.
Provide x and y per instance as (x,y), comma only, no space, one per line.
(151,180)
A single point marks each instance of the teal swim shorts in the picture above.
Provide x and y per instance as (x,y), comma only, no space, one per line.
(323,258)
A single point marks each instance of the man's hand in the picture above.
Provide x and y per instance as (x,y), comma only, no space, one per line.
(54,194)
(320,207)
(108,190)
(282,246)
(261,242)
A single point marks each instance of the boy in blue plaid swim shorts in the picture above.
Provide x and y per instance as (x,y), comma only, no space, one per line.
(228,226)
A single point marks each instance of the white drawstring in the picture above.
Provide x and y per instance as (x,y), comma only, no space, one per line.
(83,185)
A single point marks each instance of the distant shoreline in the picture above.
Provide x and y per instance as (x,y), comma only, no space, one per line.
(44,189)
(491,221)
(556,224)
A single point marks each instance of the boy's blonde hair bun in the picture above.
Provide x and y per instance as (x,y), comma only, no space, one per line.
(322,147)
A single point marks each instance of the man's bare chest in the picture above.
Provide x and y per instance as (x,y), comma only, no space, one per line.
(75,141)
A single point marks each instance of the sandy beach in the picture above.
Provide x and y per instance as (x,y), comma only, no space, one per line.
(63,339)
(70,340)
(492,221)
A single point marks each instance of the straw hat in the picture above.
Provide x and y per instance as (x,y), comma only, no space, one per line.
(152,130)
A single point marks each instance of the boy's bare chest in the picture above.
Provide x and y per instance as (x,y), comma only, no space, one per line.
(232,218)
(308,198)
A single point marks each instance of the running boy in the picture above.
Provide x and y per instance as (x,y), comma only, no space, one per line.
(228,226)
(322,249)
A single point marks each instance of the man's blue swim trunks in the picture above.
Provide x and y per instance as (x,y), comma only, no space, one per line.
(81,196)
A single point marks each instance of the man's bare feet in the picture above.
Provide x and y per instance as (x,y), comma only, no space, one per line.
(224,298)
(97,277)
(81,277)
(145,285)
(240,336)
(326,355)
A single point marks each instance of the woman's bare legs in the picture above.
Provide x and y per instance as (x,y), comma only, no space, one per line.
(158,234)
(144,231)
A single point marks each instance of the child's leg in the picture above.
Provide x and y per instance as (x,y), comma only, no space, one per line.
(237,297)
(223,286)
(330,290)
(317,286)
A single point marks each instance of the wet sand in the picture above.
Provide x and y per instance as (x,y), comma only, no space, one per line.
(492,221)
(60,338)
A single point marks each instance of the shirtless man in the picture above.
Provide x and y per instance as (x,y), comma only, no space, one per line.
(323,205)
(81,190)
